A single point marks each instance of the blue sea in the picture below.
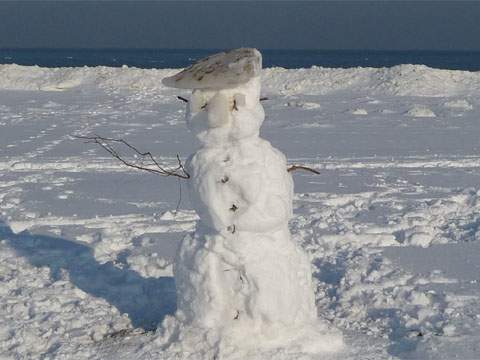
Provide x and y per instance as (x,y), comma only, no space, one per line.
(291,59)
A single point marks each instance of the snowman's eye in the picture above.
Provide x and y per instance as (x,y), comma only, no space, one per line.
(200,100)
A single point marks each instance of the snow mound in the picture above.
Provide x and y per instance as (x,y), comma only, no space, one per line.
(400,80)
(15,77)
(460,104)
(420,111)
(303,105)
(359,111)
(131,78)
(420,80)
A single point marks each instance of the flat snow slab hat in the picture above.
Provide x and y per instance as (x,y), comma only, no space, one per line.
(219,71)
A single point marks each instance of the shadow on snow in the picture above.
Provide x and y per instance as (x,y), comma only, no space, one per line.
(146,301)
(403,341)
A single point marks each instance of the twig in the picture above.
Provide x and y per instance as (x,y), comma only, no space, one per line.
(179,171)
(300,167)
(179,196)
(186,100)
(106,144)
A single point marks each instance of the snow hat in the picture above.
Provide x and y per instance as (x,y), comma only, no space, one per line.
(223,70)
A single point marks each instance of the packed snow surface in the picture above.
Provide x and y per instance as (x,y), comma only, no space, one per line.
(391,224)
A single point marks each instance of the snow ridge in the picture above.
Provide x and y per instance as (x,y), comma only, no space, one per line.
(400,80)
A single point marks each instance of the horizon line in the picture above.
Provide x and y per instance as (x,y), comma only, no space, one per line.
(226,49)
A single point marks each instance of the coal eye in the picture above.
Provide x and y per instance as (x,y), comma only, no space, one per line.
(204,106)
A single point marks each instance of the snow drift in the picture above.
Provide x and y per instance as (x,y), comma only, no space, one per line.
(401,80)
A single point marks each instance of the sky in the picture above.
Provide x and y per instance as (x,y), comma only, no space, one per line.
(380,25)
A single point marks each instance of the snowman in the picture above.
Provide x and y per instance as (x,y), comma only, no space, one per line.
(241,280)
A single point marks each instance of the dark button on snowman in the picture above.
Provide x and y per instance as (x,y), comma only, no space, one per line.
(241,281)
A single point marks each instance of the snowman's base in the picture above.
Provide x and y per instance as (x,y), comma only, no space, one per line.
(243,341)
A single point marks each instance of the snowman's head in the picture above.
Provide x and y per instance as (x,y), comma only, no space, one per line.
(222,115)
(225,103)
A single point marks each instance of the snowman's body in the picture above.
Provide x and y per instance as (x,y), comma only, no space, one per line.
(240,271)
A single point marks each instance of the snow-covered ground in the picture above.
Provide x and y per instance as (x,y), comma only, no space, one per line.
(392,223)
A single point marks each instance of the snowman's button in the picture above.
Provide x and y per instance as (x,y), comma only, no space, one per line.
(234,208)
(231,229)
(225,179)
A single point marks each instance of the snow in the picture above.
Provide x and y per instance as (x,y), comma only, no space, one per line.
(390,225)
(359,111)
(459,104)
(421,111)
(219,71)
(240,273)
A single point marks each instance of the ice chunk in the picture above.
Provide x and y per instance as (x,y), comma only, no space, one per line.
(420,111)
(219,71)
(461,104)
(359,111)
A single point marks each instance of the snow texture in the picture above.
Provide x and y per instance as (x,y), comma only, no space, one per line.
(420,111)
(219,71)
(391,224)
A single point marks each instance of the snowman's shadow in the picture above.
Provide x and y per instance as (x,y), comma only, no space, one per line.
(146,301)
